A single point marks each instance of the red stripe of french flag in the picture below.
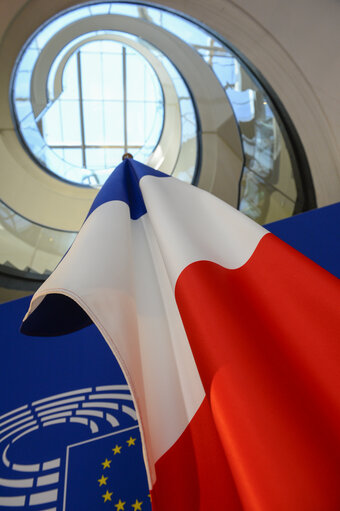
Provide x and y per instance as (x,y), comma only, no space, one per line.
(264,333)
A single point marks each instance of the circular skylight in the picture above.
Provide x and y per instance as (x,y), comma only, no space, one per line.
(110,102)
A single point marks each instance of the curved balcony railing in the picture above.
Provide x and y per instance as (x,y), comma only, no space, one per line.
(29,250)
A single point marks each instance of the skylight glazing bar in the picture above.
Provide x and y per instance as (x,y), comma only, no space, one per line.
(124,99)
(81,110)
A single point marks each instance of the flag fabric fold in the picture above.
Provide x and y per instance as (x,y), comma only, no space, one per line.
(228,338)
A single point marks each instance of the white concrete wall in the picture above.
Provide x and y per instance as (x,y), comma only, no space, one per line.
(295,44)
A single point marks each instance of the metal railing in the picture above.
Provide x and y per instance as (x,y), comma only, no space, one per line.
(29,250)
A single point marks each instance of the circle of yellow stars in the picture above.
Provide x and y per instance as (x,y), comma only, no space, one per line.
(107,496)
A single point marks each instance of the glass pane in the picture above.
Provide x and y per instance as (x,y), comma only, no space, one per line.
(51,124)
(112,76)
(141,154)
(91,178)
(94,122)
(125,9)
(286,179)
(22,85)
(136,123)
(32,137)
(113,157)
(75,174)
(112,46)
(152,87)
(135,68)
(178,82)
(95,158)
(28,60)
(189,126)
(225,67)
(279,207)
(185,30)
(91,74)
(156,15)
(100,9)
(243,103)
(254,196)
(113,123)
(23,108)
(92,47)
(73,156)
(153,126)
(70,122)
(53,158)
(261,201)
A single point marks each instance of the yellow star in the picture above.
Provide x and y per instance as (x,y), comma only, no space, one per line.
(102,480)
(120,505)
(107,495)
(131,441)
(137,505)
(106,463)
(117,449)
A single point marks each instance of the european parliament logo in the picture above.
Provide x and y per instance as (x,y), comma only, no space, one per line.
(69,438)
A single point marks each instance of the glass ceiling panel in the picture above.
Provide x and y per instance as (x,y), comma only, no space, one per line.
(112,157)
(113,120)
(29,59)
(70,122)
(22,85)
(89,116)
(112,76)
(73,156)
(100,9)
(52,126)
(93,122)
(135,121)
(95,158)
(91,75)
(136,90)
(124,9)
(23,109)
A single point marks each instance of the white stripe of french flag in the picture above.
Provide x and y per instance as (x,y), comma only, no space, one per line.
(228,338)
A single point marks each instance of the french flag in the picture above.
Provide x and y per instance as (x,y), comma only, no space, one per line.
(228,338)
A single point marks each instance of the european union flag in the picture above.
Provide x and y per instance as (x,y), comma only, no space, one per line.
(103,471)
(69,437)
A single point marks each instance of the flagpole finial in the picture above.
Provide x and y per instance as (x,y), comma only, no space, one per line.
(127,156)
